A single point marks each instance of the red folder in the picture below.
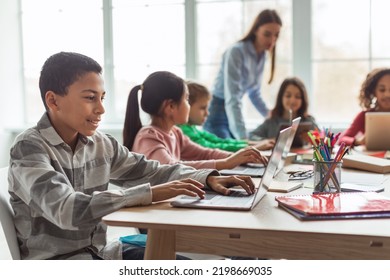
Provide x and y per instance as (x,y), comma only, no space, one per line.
(336,205)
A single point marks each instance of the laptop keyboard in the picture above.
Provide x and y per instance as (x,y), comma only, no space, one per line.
(238,193)
(250,170)
(235,198)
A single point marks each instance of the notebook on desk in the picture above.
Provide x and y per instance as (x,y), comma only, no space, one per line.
(239,199)
(257,170)
(324,206)
(377,131)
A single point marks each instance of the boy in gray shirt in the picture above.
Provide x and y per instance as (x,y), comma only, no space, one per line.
(60,170)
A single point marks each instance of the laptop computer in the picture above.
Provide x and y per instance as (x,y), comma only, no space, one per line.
(302,129)
(239,199)
(377,131)
(257,170)
(294,128)
(253,170)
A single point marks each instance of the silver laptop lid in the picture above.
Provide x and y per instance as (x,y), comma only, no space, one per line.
(261,189)
(377,131)
(273,163)
(287,147)
(276,156)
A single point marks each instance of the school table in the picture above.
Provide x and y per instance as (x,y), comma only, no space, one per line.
(265,232)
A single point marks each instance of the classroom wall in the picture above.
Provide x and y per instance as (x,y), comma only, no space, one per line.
(11,112)
(11,81)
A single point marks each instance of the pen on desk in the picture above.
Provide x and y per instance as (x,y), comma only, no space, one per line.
(335,138)
(337,159)
(329,175)
(319,157)
(345,151)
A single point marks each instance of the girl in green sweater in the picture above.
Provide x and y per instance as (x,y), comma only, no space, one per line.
(199,98)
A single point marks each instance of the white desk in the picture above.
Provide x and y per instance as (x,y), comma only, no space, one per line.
(267,232)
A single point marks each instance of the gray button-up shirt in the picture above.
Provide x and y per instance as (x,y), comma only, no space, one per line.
(60,196)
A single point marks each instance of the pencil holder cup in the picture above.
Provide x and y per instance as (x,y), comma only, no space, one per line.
(327,176)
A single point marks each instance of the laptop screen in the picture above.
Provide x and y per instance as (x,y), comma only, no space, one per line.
(298,140)
(287,147)
(276,156)
(377,131)
(273,163)
(244,202)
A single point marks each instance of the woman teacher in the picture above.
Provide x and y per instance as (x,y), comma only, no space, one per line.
(241,72)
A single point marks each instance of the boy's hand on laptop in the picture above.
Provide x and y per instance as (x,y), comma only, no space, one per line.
(168,190)
(221,184)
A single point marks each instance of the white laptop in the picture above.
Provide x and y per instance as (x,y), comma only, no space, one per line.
(377,131)
(302,129)
(239,199)
(257,170)
(250,169)
(294,128)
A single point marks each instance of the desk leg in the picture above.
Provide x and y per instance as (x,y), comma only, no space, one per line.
(160,245)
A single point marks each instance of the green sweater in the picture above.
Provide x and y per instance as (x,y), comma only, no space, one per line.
(210,140)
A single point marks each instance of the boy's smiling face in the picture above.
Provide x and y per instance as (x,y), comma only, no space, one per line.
(80,110)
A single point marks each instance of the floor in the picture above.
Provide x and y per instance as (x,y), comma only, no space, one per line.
(112,233)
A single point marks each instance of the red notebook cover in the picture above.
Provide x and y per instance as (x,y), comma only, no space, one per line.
(336,203)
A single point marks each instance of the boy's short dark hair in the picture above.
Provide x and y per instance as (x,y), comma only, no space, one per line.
(62,69)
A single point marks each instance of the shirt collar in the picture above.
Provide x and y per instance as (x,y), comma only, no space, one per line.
(48,132)
(250,47)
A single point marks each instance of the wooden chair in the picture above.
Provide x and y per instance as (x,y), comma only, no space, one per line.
(6,216)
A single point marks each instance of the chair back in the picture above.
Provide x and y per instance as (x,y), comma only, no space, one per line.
(6,216)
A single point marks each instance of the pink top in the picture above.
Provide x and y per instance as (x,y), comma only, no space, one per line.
(175,147)
(357,126)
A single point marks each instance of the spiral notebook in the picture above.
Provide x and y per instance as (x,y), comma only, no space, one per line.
(322,206)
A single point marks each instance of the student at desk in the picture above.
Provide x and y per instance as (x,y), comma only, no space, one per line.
(199,98)
(374,96)
(60,170)
(164,96)
(291,102)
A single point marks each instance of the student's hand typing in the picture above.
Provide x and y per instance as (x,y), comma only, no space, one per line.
(263,145)
(221,184)
(246,155)
(168,190)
